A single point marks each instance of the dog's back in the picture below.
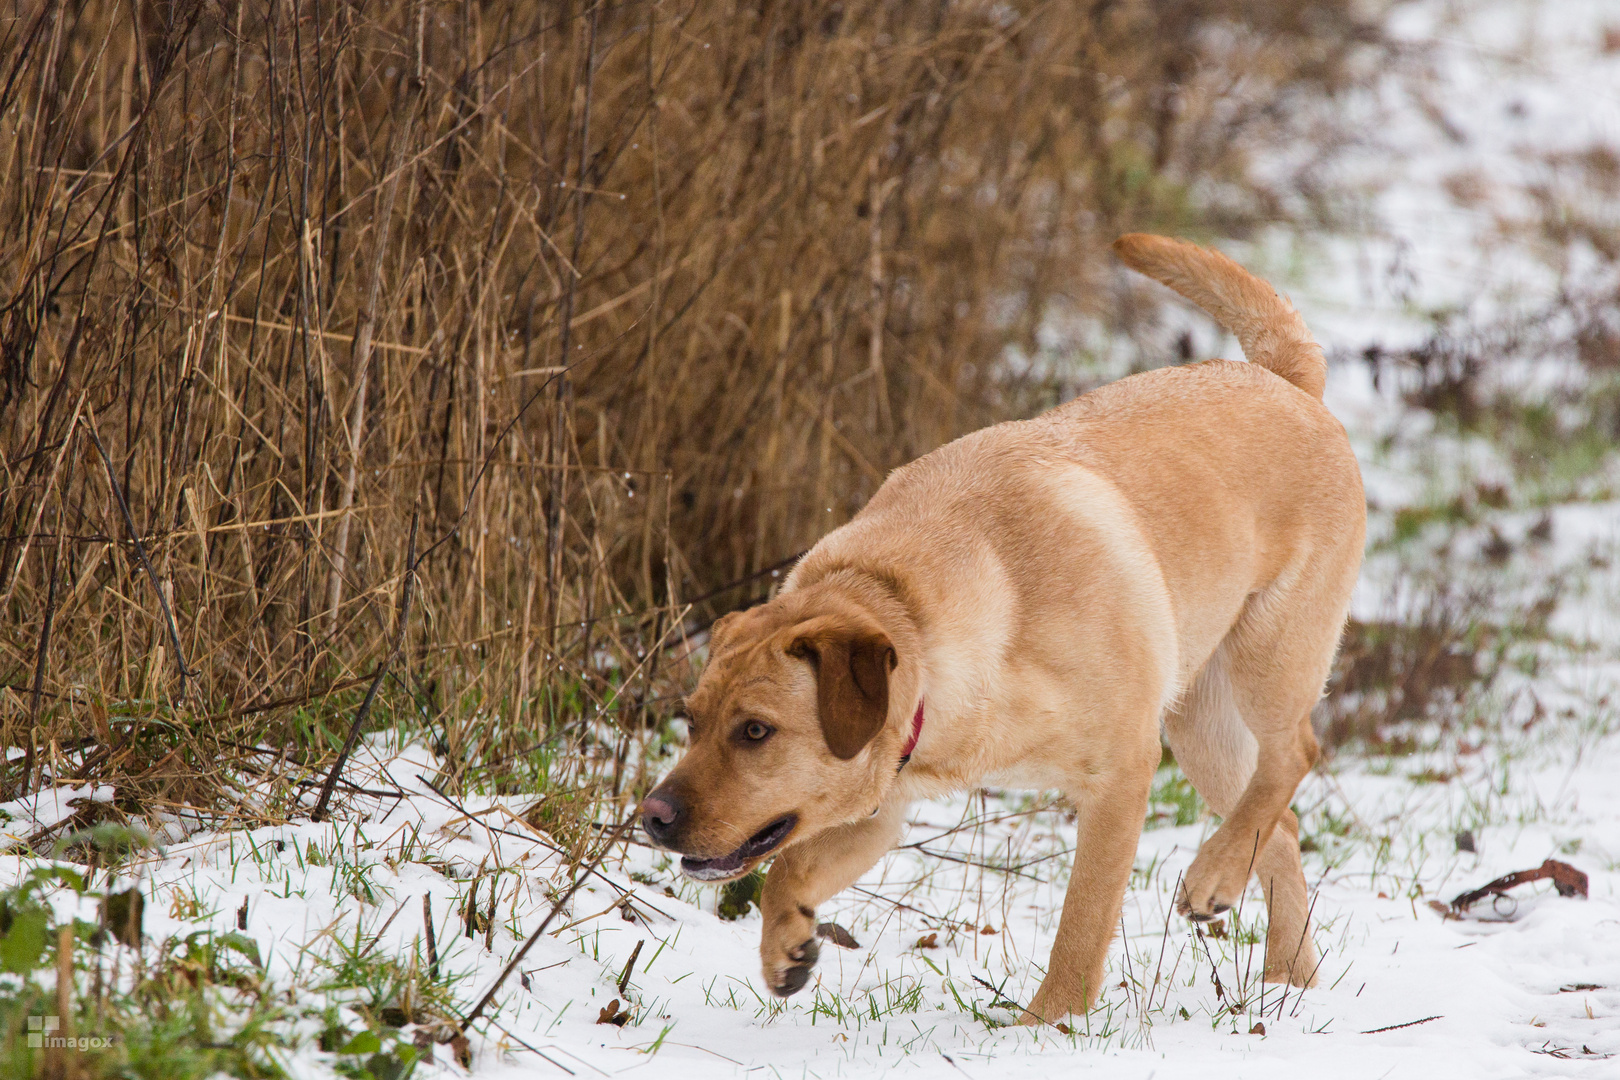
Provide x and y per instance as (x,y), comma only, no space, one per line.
(1237,473)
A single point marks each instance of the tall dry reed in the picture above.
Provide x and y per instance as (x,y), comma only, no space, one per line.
(612,305)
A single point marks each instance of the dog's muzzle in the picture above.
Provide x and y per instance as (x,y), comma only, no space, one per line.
(751,850)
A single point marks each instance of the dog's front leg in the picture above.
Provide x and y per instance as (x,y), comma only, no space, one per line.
(807,874)
(1111,808)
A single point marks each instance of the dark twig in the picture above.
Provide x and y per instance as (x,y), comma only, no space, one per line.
(364,710)
(629,967)
(1001,1000)
(42,658)
(573,887)
(1016,871)
(1397,1027)
(628,895)
(288,702)
(432,940)
(768,571)
(494,447)
(44,638)
(140,553)
(1566,879)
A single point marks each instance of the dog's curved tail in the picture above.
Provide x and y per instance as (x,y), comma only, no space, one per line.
(1271,332)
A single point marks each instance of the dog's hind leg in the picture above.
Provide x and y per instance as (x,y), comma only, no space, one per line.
(1217,752)
(1275,660)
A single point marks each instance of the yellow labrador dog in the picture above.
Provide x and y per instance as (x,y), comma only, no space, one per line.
(1028,605)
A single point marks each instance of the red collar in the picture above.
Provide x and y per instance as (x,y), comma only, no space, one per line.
(916,733)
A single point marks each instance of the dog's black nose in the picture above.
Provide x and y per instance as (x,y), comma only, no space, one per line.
(661,816)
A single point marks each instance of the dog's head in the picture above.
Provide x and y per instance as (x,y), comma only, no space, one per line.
(789,734)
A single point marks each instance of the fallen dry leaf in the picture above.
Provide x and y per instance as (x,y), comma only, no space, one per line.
(836,934)
(1443,910)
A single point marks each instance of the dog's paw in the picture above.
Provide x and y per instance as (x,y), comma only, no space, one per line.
(1055,1002)
(788,950)
(1211,887)
(789,976)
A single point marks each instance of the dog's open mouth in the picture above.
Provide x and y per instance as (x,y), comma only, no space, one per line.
(755,847)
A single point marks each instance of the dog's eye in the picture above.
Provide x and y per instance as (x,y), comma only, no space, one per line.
(754,730)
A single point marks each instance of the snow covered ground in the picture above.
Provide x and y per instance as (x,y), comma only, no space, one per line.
(1470,137)
(963,919)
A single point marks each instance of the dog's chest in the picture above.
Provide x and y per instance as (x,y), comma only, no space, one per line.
(1029,774)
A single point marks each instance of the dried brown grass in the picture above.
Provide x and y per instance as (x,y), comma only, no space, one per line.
(620,302)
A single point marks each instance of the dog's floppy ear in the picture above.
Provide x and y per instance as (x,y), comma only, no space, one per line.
(852,665)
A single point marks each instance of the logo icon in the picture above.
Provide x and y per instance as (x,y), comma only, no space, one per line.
(39,1027)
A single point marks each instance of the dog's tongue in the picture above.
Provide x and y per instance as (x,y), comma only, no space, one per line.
(710,869)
